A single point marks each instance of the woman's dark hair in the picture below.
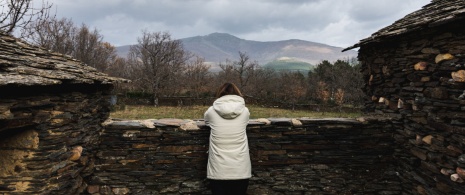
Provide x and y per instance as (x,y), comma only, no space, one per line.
(228,89)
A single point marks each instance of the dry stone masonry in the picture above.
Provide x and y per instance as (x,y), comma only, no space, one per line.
(414,70)
(51,110)
(289,156)
(48,140)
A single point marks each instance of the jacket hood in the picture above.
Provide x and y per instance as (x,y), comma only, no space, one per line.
(229,106)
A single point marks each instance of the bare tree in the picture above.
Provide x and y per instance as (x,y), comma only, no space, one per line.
(197,77)
(263,84)
(55,35)
(160,61)
(90,48)
(17,14)
(227,73)
(243,69)
(64,37)
(120,68)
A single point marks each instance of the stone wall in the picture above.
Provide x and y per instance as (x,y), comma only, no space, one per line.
(420,77)
(48,137)
(289,156)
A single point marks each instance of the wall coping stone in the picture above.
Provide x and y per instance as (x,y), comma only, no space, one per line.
(199,124)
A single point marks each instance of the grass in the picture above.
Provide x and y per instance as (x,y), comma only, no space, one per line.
(196,112)
(288,64)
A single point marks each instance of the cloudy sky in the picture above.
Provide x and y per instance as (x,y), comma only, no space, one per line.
(339,23)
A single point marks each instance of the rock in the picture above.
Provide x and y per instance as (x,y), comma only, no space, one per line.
(458,76)
(427,139)
(441,57)
(169,122)
(105,190)
(120,191)
(430,51)
(456,178)
(93,189)
(461,158)
(437,93)
(443,187)
(447,172)
(400,104)
(381,100)
(418,139)
(454,150)
(420,66)
(386,70)
(131,133)
(171,188)
(123,124)
(148,123)
(296,122)
(421,154)
(461,172)
(425,79)
(421,190)
(262,120)
(5,113)
(189,125)
(75,153)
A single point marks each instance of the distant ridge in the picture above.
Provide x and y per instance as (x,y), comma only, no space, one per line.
(218,47)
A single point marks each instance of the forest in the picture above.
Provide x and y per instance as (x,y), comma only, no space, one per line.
(159,66)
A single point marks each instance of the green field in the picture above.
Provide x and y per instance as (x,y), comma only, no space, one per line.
(289,65)
(196,112)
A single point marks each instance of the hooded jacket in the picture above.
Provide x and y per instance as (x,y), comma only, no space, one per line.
(228,154)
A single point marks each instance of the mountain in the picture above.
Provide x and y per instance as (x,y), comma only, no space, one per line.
(218,47)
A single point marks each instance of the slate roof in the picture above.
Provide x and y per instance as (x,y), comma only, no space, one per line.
(22,64)
(436,13)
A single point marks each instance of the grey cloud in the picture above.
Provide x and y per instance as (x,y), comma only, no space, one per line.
(312,20)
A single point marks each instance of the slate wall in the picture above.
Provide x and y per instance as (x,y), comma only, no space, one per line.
(289,156)
(419,77)
(48,137)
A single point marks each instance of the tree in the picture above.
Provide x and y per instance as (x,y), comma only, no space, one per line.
(243,70)
(338,82)
(90,48)
(351,81)
(292,87)
(197,77)
(64,37)
(159,61)
(227,73)
(321,81)
(120,69)
(263,84)
(19,13)
(55,35)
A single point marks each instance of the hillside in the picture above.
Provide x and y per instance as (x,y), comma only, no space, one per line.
(217,47)
(288,64)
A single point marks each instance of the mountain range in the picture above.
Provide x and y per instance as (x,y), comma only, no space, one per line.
(216,48)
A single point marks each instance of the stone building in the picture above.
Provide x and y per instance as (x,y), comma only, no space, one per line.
(51,110)
(414,69)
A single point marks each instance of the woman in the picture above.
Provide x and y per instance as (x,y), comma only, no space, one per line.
(229,167)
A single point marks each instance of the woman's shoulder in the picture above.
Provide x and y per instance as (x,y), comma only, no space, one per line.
(246,109)
(209,109)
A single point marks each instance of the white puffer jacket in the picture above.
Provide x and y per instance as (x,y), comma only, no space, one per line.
(228,154)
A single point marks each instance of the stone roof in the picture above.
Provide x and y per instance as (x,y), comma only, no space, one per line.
(22,64)
(436,13)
